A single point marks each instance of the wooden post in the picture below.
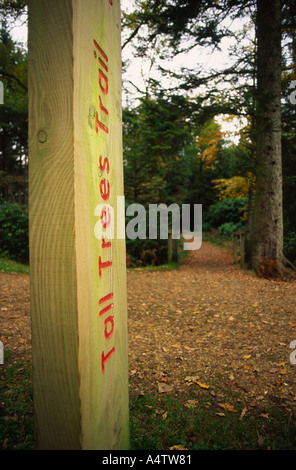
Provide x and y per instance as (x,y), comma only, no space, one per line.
(78,282)
(234,235)
(242,249)
(175,250)
(170,247)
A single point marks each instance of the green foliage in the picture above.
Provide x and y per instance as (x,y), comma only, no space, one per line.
(226,210)
(13,119)
(13,8)
(9,266)
(227,229)
(146,252)
(290,246)
(14,236)
(155,134)
(163,422)
(16,410)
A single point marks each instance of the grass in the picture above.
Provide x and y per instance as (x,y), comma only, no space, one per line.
(16,403)
(161,267)
(164,422)
(9,266)
(157,421)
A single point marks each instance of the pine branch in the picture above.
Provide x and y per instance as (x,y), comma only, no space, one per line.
(17,80)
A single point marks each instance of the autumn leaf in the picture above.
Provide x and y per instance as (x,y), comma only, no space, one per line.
(243,413)
(278,383)
(164,416)
(202,385)
(164,388)
(178,447)
(190,378)
(227,407)
(191,403)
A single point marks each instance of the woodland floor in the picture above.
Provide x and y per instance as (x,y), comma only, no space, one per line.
(208,326)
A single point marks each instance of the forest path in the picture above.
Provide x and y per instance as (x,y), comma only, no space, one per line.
(221,326)
(207,328)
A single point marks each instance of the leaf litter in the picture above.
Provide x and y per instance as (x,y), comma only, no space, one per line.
(208,329)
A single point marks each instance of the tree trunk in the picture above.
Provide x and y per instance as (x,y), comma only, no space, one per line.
(267,223)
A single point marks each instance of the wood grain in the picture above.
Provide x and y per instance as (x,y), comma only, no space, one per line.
(77,405)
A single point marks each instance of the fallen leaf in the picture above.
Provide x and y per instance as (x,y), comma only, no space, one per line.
(222,415)
(190,378)
(165,415)
(178,447)
(202,385)
(191,403)
(253,403)
(164,388)
(243,413)
(227,407)
(188,348)
(177,346)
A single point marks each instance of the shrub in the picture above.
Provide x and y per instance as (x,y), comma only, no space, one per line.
(290,246)
(14,232)
(226,210)
(228,228)
(146,252)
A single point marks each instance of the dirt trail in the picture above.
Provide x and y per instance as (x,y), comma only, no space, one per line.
(214,322)
(208,320)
